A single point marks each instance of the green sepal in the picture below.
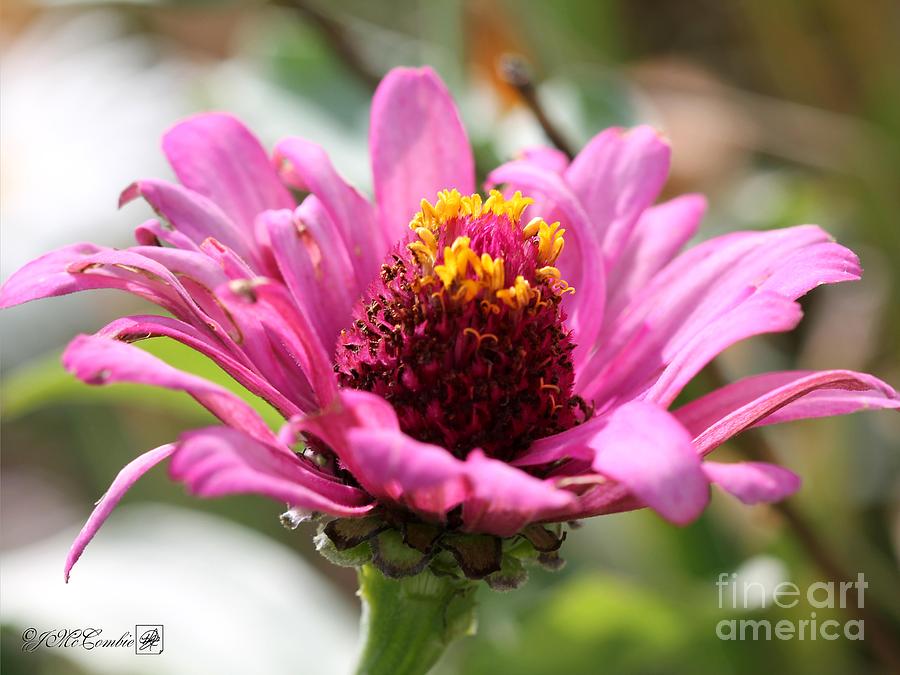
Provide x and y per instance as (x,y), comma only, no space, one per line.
(543,539)
(551,561)
(352,557)
(443,564)
(512,575)
(394,558)
(421,536)
(348,533)
(519,547)
(477,555)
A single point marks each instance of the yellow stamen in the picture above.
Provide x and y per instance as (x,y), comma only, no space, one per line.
(481,337)
(548,386)
(451,204)
(517,295)
(547,273)
(550,239)
(465,273)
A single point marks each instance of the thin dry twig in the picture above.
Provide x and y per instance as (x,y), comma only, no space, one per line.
(336,36)
(516,72)
(756,447)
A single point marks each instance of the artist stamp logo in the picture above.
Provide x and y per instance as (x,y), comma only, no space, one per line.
(743,595)
(148,639)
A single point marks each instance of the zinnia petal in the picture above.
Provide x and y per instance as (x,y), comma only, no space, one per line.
(315,266)
(127,477)
(617,175)
(270,304)
(771,398)
(216,155)
(700,286)
(753,482)
(762,313)
(101,361)
(194,215)
(504,499)
(393,466)
(418,146)
(142,327)
(647,450)
(306,166)
(219,461)
(547,158)
(81,267)
(656,239)
(152,232)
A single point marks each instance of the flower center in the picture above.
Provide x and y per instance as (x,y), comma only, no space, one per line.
(464,333)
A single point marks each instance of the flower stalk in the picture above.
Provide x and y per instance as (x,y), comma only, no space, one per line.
(408,623)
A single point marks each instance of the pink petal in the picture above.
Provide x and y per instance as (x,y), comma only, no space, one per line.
(48,276)
(230,263)
(700,286)
(780,397)
(80,267)
(547,158)
(184,264)
(216,155)
(574,443)
(418,146)
(101,361)
(178,281)
(504,499)
(85,266)
(270,304)
(152,232)
(306,166)
(647,450)
(581,262)
(364,432)
(763,312)
(658,236)
(127,477)
(194,215)
(219,461)
(616,176)
(315,267)
(134,328)
(753,482)
(392,466)
(352,409)
(261,347)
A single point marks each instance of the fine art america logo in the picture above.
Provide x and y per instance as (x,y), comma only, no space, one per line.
(736,593)
(146,639)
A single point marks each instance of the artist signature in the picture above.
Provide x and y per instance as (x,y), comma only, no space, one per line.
(145,639)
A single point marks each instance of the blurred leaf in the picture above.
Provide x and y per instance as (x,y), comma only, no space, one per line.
(594,623)
(44,382)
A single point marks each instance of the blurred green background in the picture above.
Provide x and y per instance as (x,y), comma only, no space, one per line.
(780,112)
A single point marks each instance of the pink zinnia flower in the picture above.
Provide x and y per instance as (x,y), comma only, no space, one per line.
(482,368)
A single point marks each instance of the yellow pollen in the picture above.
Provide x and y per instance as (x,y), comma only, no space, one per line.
(550,239)
(517,295)
(548,273)
(463,272)
(451,204)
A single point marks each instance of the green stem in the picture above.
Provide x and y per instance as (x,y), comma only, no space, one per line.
(408,623)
